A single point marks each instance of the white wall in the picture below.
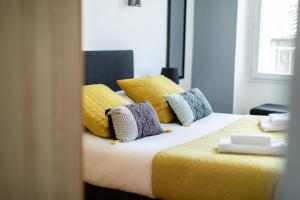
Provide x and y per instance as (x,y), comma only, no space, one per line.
(249,92)
(112,25)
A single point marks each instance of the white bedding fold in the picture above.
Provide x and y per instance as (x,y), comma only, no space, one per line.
(277,148)
(251,139)
(266,125)
(279,119)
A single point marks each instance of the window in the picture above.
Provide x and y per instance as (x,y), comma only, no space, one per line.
(276,43)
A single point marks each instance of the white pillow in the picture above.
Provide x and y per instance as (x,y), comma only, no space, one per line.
(123,95)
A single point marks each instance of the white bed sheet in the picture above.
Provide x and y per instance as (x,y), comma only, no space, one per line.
(127,166)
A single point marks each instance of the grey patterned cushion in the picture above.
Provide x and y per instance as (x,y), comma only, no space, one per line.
(181,108)
(124,125)
(198,103)
(189,106)
(135,121)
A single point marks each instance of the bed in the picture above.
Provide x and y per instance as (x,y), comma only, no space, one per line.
(125,170)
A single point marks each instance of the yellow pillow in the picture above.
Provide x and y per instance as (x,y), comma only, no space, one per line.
(97,99)
(153,89)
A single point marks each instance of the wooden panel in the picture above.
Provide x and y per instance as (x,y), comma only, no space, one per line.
(40,81)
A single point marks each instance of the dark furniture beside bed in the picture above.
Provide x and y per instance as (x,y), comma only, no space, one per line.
(269,108)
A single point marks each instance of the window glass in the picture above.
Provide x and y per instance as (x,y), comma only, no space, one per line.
(277,36)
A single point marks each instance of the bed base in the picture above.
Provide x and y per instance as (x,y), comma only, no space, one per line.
(96,193)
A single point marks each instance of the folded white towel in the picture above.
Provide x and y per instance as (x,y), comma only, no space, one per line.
(251,139)
(277,148)
(279,119)
(266,125)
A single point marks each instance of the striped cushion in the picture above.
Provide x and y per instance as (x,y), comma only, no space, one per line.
(134,121)
(189,106)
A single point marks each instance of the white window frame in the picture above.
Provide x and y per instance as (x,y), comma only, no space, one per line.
(255,46)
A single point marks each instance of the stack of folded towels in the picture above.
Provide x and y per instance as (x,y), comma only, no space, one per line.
(275,122)
(257,144)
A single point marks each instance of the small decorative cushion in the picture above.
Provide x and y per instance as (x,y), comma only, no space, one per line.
(124,124)
(181,108)
(189,106)
(97,99)
(198,103)
(135,121)
(152,89)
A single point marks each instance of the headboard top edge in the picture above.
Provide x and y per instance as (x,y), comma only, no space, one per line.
(107,66)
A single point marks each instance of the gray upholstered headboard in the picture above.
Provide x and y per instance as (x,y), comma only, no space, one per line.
(108,66)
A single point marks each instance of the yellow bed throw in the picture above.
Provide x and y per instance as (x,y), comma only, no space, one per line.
(196,171)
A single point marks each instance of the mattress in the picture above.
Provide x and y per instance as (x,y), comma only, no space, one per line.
(127,166)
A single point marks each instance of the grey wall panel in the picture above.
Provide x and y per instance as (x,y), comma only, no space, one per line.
(177,34)
(214,51)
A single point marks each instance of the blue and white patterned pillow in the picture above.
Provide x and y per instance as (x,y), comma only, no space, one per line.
(181,108)
(189,106)
(134,121)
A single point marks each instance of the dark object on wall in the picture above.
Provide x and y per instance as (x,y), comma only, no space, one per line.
(171,73)
(108,66)
(176,35)
(136,3)
(269,108)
